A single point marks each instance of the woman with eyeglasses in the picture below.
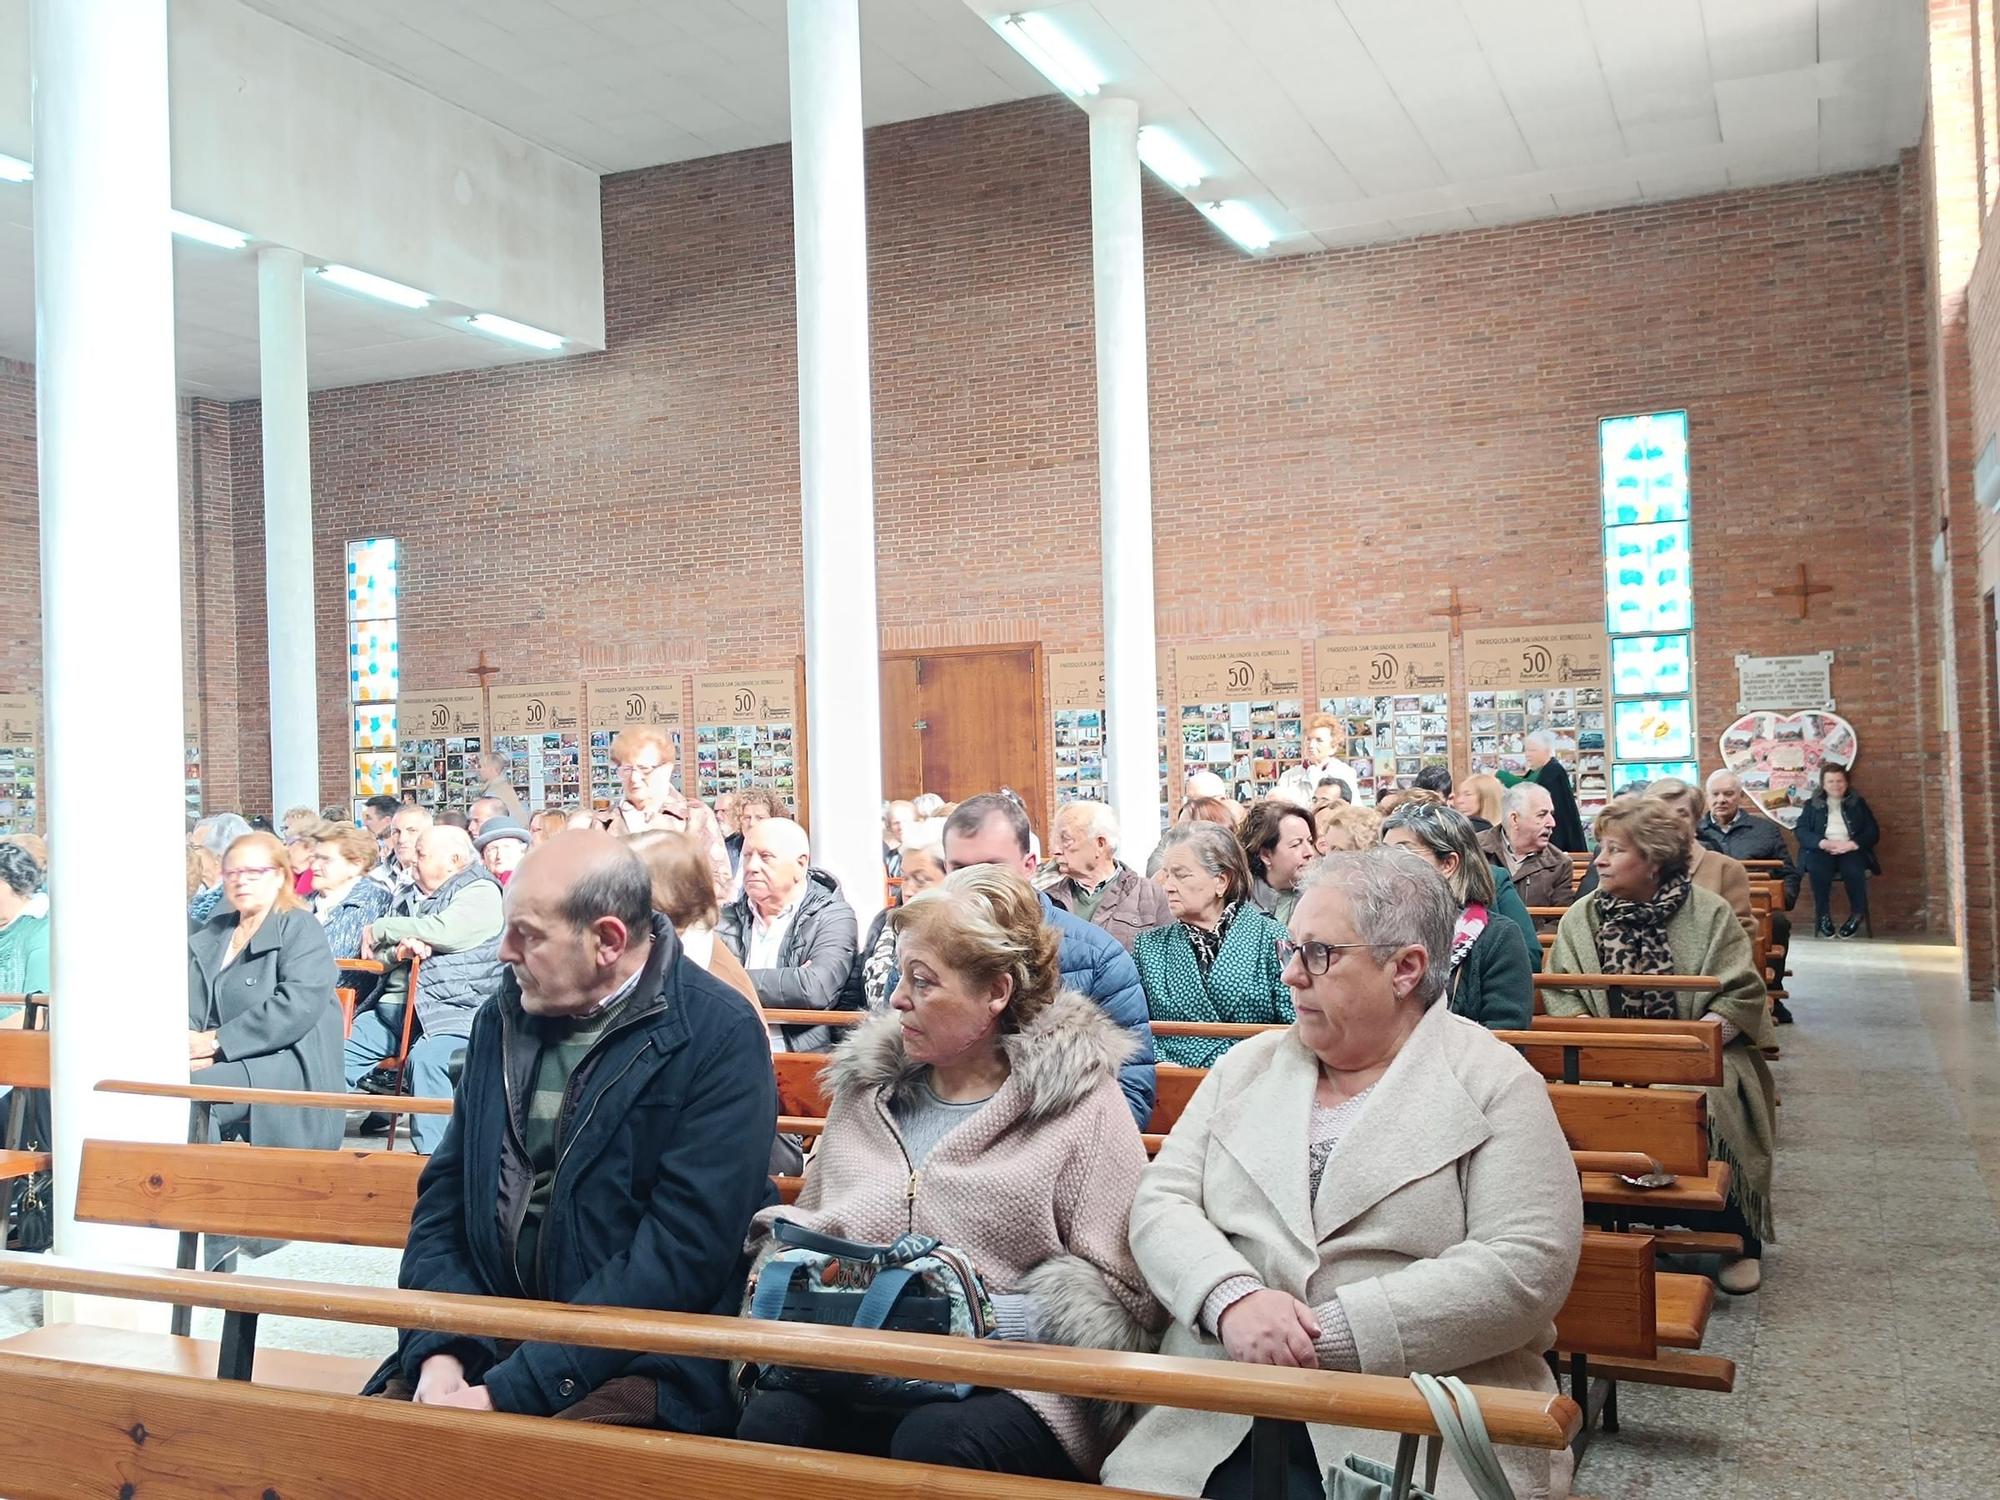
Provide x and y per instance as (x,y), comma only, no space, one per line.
(643,758)
(1490,973)
(1218,959)
(261,1012)
(1381,1188)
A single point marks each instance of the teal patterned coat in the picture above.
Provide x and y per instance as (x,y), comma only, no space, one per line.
(1242,985)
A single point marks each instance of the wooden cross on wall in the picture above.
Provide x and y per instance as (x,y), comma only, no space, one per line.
(482,671)
(1803,591)
(1457,613)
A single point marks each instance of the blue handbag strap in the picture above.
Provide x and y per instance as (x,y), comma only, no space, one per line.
(786,1232)
(881,1299)
(768,1302)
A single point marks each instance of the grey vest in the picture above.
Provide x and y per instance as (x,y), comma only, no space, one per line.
(452,986)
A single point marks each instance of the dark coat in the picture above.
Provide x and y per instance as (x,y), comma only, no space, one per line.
(1494,984)
(272,1011)
(663,1151)
(1568,836)
(1507,903)
(1754,837)
(367,900)
(814,960)
(1131,903)
(1861,827)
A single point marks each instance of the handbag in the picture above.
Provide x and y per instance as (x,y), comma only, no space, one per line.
(1461,1429)
(915,1285)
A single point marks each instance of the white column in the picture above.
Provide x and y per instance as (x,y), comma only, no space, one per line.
(836,464)
(111,597)
(288,534)
(1125,478)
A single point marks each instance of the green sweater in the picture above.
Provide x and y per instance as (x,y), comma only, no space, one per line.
(24,950)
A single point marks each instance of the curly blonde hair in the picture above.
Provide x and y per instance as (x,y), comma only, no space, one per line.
(983,922)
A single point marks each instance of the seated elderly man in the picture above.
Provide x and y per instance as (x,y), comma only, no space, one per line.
(664,1149)
(450,919)
(1381,1187)
(1095,885)
(398,870)
(1733,827)
(791,929)
(1521,846)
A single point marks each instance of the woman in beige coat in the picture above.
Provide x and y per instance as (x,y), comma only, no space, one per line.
(982,1109)
(1382,1187)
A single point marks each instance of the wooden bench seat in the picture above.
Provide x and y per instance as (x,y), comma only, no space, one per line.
(1670,1367)
(1684,1304)
(1704,1192)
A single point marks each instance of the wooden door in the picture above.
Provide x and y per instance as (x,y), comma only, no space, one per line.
(980,710)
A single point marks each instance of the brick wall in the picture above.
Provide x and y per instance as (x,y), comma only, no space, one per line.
(1338,438)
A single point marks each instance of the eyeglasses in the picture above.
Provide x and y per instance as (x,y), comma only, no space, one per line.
(1317,957)
(632,768)
(250,872)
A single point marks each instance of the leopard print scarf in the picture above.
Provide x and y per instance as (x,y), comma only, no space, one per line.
(1632,939)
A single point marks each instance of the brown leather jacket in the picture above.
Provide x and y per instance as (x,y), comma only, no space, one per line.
(1543,878)
(1131,904)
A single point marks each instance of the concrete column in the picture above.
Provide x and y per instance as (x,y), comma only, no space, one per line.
(836,463)
(1125,477)
(288,534)
(111,595)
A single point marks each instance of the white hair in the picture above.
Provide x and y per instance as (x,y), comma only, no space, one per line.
(1519,796)
(928,806)
(1096,820)
(220,831)
(1541,739)
(1207,784)
(925,838)
(1398,901)
(1722,774)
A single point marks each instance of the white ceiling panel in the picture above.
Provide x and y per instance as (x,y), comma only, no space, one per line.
(1769,104)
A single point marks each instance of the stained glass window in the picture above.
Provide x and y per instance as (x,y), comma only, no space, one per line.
(1644,475)
(374,665)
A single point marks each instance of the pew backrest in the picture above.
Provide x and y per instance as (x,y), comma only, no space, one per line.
(1669,1125)
(1612,1309)
(24,1059)
(1620,1062)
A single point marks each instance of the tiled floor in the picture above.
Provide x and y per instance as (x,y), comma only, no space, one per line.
(1870,1363)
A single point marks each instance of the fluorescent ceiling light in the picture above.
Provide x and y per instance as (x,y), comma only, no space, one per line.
(1169,159)
(1240,222)
(515,333)
(13,169)
(207,231)
(379,287)
(1051,53)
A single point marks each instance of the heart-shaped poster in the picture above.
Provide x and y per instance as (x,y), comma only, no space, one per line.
(1777,756)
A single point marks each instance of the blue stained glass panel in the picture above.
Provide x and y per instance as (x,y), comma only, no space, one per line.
(1649,664)
(1643,464)
(1647,579)
(1624,775)
(1653,729)
(373,662)
(374,774)
(371,579)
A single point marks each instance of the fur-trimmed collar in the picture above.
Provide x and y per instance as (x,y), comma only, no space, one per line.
(1064,1053)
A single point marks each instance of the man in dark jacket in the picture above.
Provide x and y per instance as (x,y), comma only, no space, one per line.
(992,829)
(609,1146)
(791,929)
(1732,829)
(1094,885)
(1553,776)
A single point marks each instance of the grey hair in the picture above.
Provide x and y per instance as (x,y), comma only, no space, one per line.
(1216,849)
(617,885)
(1541,739)
(20,871)
(220,831)
(1445,832)
(929,805)
(1398,901)
(924,838)
(1519,795)
(1097,818)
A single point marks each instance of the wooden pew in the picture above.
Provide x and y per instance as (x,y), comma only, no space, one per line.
(202,1099)
(1270,1396)
(24,1064)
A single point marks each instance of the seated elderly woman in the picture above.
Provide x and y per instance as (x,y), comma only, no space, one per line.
(206,842)
(1491,972)
(261,1012)
(1381,1188)
(1218,959)
(922,863)
(984,1110)
(1648,917)
(1345,825)
(684,893)
(1708,868)
(1277,839)
(344,899)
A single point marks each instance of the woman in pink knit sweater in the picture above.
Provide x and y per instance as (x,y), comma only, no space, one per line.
(983,1109)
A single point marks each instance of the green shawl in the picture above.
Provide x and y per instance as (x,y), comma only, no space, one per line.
(1242,984)
(1705,938)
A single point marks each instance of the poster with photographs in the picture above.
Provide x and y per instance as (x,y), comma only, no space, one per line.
(1777,756)
(440,737)
(1076,703)
(1554,679)
(538,734)
(1390,694)
(629,703)
(20,782)
(745,733)
(1241,714)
